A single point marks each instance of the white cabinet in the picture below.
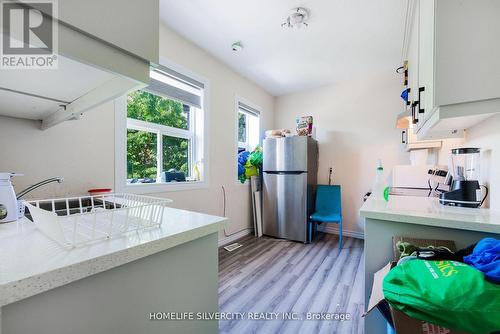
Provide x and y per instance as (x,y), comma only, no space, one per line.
(467,51)
(104,50)
(425,91)
(131,25)
(458,69)
(414,58)
(411,142)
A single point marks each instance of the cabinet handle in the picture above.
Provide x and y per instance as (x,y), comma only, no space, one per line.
(403,141)
(420,110)
(413,112)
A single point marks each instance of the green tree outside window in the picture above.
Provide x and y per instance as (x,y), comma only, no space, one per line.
(141,145)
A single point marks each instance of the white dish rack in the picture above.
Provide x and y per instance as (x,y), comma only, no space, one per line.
(76,221)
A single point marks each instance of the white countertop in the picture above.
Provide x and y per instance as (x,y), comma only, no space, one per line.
(30,263)
(428,211)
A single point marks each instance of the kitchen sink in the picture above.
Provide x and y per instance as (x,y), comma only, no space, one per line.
(73,206)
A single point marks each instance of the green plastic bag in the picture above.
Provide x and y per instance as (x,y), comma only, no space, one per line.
(250,170)
(447,293)
(256,158)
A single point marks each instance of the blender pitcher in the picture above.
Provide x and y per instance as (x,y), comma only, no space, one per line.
(465,190)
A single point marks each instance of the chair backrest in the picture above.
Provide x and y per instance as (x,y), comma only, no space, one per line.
(328,199)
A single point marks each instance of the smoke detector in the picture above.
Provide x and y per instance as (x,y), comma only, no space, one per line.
(237,46)
(297,18)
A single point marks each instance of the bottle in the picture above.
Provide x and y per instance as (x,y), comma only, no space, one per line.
(378,188)
(8,200)
(197,174)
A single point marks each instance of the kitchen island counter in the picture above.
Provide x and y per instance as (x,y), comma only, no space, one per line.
(420,218)
(125,276)
(428,211)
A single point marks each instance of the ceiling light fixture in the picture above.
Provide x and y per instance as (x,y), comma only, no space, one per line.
(237,46)
(297,18)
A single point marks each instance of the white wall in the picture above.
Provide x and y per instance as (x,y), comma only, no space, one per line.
(79,151)
(82,151)
(225,85)
(355,126)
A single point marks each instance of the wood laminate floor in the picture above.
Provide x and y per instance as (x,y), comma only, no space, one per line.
(292,279)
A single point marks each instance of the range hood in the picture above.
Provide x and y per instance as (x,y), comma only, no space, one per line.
(56,95)
(90,71)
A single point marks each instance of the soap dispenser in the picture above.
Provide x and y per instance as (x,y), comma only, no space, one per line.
(379,189)
(8,200)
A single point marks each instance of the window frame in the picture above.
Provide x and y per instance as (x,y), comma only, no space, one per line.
(240,100)
(197,134)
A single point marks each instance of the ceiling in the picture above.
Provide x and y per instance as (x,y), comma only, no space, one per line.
(345,38)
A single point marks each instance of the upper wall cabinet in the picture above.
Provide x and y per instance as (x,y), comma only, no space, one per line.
(131,25)
(457,67)
(412,56)
(103,49)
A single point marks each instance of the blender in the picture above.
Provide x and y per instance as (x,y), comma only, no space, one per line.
(463,178)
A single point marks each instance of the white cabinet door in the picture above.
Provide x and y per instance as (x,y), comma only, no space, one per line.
(458,67)
(467,51)
(410,141)
(426,59)
(412,55)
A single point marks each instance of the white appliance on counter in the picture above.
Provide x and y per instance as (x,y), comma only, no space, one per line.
(8,200)
(408,180)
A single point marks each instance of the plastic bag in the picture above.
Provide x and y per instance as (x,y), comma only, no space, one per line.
(243,157)
(242,160)
(447,293)
(486,258)
(256,157)
(241,169)
(250,170)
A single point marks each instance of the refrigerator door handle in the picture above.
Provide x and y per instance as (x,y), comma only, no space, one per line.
(285,173)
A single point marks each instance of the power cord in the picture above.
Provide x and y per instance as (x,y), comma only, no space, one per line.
(486,195)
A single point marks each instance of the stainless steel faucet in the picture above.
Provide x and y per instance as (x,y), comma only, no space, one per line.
(37,185)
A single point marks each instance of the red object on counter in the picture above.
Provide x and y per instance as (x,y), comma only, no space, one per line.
(99,191)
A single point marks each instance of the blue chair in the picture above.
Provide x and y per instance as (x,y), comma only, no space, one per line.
(328,209)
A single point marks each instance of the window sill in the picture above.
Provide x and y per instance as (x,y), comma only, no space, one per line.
(151,188)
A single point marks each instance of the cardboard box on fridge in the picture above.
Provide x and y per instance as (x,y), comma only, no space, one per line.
(402,323)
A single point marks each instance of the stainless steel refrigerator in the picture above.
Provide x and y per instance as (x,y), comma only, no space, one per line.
(290,171)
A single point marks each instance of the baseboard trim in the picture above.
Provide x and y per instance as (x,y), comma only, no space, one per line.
(328,228)
(227,240)
(334,229)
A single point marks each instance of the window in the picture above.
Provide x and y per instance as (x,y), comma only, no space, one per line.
(248,130)
(248,127)
(159,139)
(164,133)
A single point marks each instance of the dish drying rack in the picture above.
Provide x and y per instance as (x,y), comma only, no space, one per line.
(77,221)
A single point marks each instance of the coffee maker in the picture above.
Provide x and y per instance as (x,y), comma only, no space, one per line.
(463,179)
